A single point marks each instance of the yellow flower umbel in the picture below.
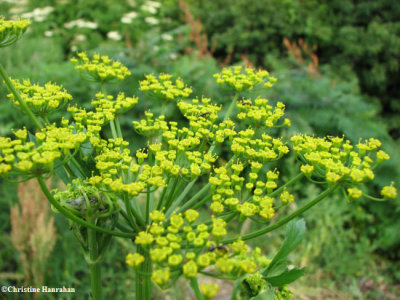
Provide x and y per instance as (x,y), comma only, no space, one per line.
(235,78)
(134,259)
(38,157)
(338,161)
(164,87)
(11,31)
(209,290)
(389,191)
(101,69)
(41,99)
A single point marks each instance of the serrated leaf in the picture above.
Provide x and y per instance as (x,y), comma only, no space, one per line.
(286,277)
(86,149)
(295,231)
(62,174)
(236,286)
(265,295)
(278,268)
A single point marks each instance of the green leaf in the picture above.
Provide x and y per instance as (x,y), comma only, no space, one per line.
(61,173)
(295,231)
(286,277)
(277,269)
(236,287)
(86,150)
(265,295)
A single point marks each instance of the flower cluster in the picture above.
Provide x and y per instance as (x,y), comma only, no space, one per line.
(150,127)
(264,149)
(100,68)
(164,87)
(170,235)
(337,160)
(260,112)
(106,109)
(41,99)
(11,31)
(84,199)
(257,197)
(177,244)
(233,77)
(38,155)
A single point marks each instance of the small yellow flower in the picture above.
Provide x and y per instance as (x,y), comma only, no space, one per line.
(134,259)
(389,191)
(161,276)
(354,193)
(11,31)
(191,215)
(144,238)
(190,269)
(286,197)
(209,289)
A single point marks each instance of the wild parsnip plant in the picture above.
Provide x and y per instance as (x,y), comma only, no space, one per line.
(148,197)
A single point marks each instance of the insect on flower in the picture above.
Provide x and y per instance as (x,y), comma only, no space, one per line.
(244,102)
(220,249)
(203,115)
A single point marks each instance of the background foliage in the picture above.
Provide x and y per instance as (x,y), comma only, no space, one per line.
(338,68)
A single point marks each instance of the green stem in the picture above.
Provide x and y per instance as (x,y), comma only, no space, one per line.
(74,218)
(113,130)
(195,287)
(143,276)
(17,96)
(118,125)
(227,116)
(135,212)
(171,192)
(374,198)
(164,192)
(290,182)
(147,213)
(231,106)
(94,264)
(195,198)
(202,201)
(180,198)
(285,220)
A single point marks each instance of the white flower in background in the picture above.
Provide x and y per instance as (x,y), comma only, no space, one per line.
(127,18)
(14,1)
(16,10)
(173,56)
(149,9)
(154,4)
(114,35)
(38,14)
(81,24)
(80,38)
(151,20)
(74,48)
(166,37)
(48,33)
(131,2)
(91,25)
(39,18)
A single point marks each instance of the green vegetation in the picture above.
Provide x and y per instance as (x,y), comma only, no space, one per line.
(337,65)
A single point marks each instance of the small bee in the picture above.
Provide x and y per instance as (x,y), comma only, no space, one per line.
(220,249)
(80,203)
(244,102)
(203,115)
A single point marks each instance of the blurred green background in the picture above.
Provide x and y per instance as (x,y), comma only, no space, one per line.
(338,69)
